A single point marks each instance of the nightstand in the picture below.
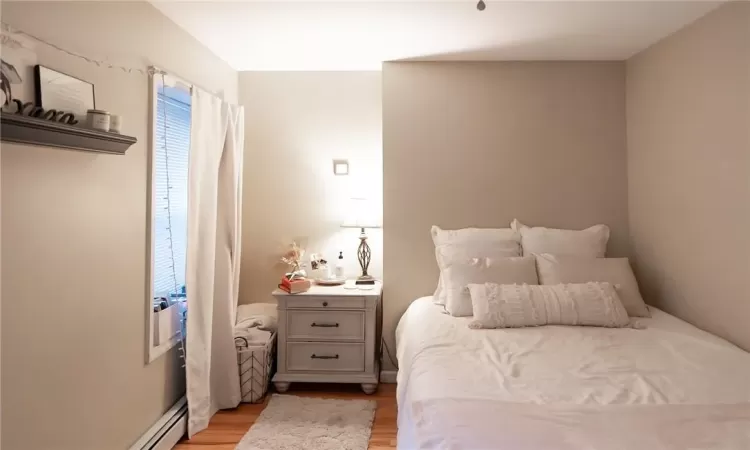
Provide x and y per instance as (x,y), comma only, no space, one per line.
(329,334)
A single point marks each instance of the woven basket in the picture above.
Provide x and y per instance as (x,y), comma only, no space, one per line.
(255,364)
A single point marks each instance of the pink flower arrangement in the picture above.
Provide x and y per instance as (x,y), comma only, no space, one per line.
(293,257)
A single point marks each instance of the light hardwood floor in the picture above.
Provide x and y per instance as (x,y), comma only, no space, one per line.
(227,427)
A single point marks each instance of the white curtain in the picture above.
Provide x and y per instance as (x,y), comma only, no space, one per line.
(213,259)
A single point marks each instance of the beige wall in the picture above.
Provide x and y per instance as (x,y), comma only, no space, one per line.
(688,116)
(74,242)
(296,123)
(477,144)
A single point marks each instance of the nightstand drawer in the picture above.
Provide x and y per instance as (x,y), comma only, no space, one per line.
(325,357)
(317,301)
(326,325)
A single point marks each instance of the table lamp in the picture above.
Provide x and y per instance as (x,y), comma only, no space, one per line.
(362,214)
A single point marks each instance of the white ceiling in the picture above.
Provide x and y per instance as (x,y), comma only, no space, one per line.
(359,35)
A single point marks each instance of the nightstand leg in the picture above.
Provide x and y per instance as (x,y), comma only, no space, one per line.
(281,386)
(369,388)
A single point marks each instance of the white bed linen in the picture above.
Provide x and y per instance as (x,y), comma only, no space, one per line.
(668,386)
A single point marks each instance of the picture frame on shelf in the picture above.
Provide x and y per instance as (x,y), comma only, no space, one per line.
(63,92)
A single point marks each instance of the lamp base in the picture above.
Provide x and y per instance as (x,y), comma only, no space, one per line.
(365,279)
(363,256)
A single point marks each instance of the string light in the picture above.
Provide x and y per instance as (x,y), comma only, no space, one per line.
(168,198)
(8,41)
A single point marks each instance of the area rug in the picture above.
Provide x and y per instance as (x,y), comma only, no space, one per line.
(296,423)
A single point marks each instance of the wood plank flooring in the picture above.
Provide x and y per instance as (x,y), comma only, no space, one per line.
(227,427)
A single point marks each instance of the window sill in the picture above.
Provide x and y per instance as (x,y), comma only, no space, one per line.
(155,352)
(165,329)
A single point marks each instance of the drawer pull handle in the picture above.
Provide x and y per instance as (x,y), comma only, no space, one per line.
(325,325)
(314,356)
(325,303)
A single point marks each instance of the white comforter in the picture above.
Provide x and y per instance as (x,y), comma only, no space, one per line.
(668,386)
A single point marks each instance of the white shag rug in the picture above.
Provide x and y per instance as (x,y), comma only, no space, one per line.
(296,423)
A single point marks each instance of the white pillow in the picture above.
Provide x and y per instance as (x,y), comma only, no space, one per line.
(554,269)
(495,241)
(459,269)
(510,306)
(589,242)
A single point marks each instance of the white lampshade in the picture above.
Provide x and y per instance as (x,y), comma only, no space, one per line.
(362,213)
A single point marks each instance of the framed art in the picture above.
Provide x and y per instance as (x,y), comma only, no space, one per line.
(62,92)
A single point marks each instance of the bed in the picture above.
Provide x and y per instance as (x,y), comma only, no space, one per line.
(668,385)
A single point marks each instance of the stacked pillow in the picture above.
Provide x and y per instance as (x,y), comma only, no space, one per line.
(482,273)
(477,242)
(512,305)
(554,269)
(460,268)
(591,242)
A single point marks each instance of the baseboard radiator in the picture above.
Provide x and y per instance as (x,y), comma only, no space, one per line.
(167,431)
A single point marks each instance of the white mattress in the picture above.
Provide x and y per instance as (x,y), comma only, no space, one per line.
(669,385)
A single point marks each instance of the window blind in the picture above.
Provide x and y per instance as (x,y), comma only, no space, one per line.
(170,184)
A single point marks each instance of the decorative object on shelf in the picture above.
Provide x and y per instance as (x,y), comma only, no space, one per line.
(63,92)
(362,214)
(97,119)
(29,110)
(115,123)
(48,133)
(17,71)
(8,75)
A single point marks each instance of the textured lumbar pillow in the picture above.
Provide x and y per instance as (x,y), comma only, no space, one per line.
(510,306)
(460,268)
(490,242)
(554,269)
(589,242)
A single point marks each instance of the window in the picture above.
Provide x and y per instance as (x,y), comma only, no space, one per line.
(169,207)
(170,184)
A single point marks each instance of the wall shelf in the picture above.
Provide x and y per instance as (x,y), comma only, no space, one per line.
(33,131)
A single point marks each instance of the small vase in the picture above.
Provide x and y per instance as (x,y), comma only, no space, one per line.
(296,274)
